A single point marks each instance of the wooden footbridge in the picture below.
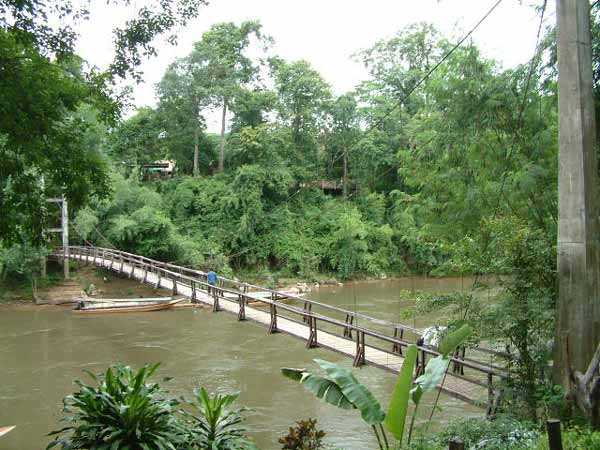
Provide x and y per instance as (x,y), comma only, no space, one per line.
(367,340)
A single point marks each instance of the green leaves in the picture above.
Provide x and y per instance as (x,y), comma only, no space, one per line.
(322,387)
(123,410)
(398,408)
(340,389)
(213,425)
(454,339)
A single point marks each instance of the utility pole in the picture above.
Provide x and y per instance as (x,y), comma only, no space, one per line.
(578,309)
(65,236)
(63,230)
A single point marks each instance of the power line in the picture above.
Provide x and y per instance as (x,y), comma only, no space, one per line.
(425,77)
(438,64)
(430,72)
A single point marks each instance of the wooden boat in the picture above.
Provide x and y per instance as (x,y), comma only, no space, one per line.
(4,430)
(125,305)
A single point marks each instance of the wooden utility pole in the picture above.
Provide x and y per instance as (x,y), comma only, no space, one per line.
(578,310)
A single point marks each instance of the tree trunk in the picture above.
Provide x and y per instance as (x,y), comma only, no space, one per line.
(578,251)
(345,176)
(196,152)
(222,145)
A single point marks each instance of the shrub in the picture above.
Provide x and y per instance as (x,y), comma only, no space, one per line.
(214,426)
(574,439)
(304,436)
(123,410)
(503,433)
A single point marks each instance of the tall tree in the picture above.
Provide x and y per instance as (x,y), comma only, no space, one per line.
(220,64)
(42,88)
(303,98)
(182,93)
(344,132)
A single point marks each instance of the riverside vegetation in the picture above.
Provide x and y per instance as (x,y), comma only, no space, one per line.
(455,177)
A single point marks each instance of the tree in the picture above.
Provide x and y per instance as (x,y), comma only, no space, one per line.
(303,96)
(344,132)
(43,85)
(220,67)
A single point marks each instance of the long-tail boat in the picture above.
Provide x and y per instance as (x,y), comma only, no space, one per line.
(103,306)
(4,430)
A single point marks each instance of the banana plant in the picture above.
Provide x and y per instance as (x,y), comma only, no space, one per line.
(341,388)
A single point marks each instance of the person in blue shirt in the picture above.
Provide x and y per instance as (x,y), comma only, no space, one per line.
(212,281)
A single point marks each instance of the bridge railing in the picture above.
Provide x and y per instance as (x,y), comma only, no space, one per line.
(466,369)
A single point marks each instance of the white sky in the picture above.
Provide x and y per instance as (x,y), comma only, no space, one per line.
(327,32)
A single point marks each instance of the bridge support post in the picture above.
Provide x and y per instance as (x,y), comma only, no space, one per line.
(216,306)
(121,266)
(420,368)
(242,307)
(145,277)
(173,286)
(308,309)
(157,280)
(273,324)
(359,358)
(397,347)
(348,328)
(490,403)
(132,271)
(458,367)
(193,288)
(312,337)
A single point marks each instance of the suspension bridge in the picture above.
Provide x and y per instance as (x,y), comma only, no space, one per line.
(474,378)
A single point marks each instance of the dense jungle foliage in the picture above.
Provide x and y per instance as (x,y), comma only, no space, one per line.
(433,182)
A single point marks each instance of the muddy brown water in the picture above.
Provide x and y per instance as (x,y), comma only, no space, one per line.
(43,349)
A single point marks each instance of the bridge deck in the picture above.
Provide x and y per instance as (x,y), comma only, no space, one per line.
(454,385)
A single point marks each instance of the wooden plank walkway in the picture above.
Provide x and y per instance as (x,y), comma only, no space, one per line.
(468,390)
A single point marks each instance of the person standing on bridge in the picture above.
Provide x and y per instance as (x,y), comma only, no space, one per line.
(211,277)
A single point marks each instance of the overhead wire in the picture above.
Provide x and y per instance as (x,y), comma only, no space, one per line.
(425,77)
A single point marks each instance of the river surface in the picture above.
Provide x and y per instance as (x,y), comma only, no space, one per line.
(43,349)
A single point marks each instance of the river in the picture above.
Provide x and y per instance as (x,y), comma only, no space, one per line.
(43,349)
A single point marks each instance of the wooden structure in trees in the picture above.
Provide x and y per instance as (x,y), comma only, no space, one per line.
(365,339)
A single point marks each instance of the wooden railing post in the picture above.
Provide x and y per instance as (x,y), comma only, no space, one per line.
(273,324)
(193,287)
(490,402)
(145,277)
(122,263)
(132,271)
(158,275)
(359,358)
(312,337)
(174,285)
(308,310)
(242,307)
(216,307)
(457,367)
(456,444)
(397,347)
(554,434)
(348,328)
(420,369)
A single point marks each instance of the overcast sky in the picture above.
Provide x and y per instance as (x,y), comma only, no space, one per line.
(327,32)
